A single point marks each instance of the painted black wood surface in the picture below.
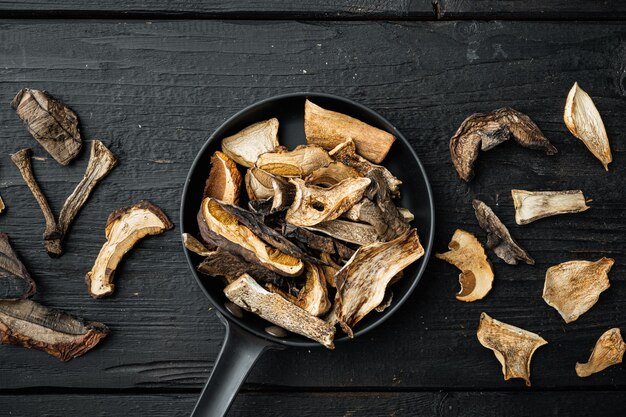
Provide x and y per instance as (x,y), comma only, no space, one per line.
(154,90)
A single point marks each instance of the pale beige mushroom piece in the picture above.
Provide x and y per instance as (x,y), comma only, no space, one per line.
(535,205)
(573,287)
(300,162)
(513,347)
(583,120)
(467,254)
(245,147)
(608,351)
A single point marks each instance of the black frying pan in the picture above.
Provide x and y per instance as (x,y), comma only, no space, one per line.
(245,338)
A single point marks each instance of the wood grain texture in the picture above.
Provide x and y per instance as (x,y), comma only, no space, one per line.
(154,92)
(339,404)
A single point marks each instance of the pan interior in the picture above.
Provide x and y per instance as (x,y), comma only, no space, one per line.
(289,110)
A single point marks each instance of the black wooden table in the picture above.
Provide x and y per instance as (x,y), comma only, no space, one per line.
(153,78)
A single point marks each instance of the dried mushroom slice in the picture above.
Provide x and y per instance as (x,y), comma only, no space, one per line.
(483,131)
(498,237)
(28,324)
(245,147)
(584,121)
(224,181)
(231,235)
(313,205)
(332,174)
(387,220)
(306,239)
(259,184)
(535,205)
(15,281)
(467,254)
(2,206)
(351,232)
(573,287)
(249,295)
(221,263)
(52,123)
(608,351)
(363,280)
(328,129)
(195,246)
(297,163)
(313,297)
(513,347)
(124,228)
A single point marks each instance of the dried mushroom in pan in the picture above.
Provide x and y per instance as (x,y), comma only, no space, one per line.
(245,147)
(535,205)
(224,181)
(513,347)
(608,351)
(584,121)
(573,287)
(467,254)
(300,162)
(483,131)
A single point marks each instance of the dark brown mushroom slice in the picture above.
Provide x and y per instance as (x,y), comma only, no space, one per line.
(15,281)
(483,131)
(498,237)
(124,228)
(52,123)
(224,180)
(31,325)
(222,263)
(261,207)
(387,220)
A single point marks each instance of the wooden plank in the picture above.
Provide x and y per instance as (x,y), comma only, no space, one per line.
(282,404)
(154,92)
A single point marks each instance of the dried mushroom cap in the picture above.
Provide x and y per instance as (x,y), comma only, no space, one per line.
(249,295)
(573,287)
(513,347)
(584,121)
(31,325)
(313,205)
(363,280)
(297,163)
(52,123)
(245,146)
(608,351)
(531,206)
(15,281)
(259,184)
(230,234)
(328,129)
(332,174)
(483,131)
(467,254)
(498,237)
(224,181)
(124,228)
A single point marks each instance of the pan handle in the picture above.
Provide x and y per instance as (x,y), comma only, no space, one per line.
(239,353)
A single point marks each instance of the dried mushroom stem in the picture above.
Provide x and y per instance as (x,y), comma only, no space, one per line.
(31,325)
(249,295)
(52,235)
(573,287)
(52,123)
(531,206)
(608,351)
(467,254)
(583,120)
(15,281)
(124,228)
(513,347)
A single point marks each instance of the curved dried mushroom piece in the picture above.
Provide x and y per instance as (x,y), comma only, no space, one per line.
(332,174)
(467,254)
(297,163)
(52,123)
(328,129)
(608,351)
(15,281)
(245,146)
(584,121)
(221,263)
(535,205)
(513,347)
(313,297)
(259,184)
(313,205)
(363,280)
(387,220)
(230,234)
(498,237)
(249,295)
(195,246)
(224,181)
(124,228)
(31,325)
(573,287)
(351,232)
(483,131)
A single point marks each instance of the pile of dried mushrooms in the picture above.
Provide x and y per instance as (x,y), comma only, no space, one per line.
(310,237)
(573,287)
